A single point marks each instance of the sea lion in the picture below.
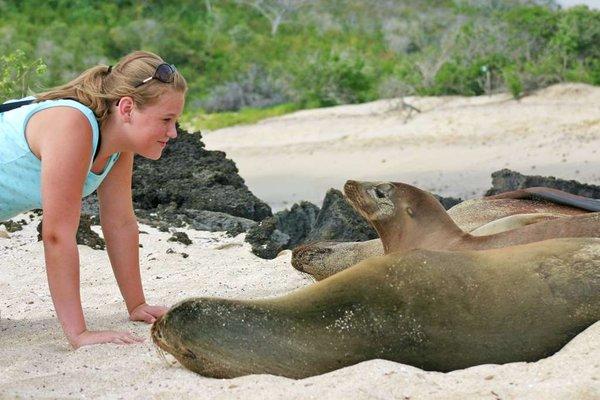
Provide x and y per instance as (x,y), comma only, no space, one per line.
(474,213)
(407,218)
(434,310)
(512,222)
(323,259)
(477,216)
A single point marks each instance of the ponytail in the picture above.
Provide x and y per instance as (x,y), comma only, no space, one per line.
(101,86)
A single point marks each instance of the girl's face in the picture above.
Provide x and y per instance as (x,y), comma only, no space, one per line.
(153,125)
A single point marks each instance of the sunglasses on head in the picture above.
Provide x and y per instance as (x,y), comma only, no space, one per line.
(164,73)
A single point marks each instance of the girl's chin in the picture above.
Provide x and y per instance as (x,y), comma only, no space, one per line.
(151,156)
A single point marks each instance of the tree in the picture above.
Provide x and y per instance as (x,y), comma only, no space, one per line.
(430,65)
(276,11)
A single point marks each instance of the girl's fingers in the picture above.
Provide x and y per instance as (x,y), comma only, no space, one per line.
(149,318)
(126,338)
(134,338)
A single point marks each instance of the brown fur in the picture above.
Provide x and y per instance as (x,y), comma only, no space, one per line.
(418,221)
(477,216)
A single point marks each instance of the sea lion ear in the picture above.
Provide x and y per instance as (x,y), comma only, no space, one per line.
(409,211)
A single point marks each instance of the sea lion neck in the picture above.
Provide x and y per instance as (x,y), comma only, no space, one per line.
(428,228)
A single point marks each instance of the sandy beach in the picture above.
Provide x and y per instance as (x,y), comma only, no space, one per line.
(450,147)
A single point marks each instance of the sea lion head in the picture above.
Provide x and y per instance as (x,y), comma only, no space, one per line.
(373,200)
(163,336)
(396,210)
(380,201)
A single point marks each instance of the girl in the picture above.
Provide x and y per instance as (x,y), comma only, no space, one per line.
(75,139)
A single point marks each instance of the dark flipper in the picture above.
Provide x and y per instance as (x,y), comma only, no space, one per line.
(552,195)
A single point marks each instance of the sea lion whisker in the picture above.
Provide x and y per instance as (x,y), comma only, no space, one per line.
(162,355)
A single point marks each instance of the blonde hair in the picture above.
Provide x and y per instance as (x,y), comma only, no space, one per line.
(101,86)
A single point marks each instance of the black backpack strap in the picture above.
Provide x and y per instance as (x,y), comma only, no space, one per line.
(13,105)
(17,104)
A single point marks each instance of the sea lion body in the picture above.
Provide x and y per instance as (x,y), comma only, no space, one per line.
(426,224)
(513,222)
(434,310)
(323,259)
(474,213)
(553,195)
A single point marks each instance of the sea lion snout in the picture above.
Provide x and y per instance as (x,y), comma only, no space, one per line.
(351,189)
(157,332)
(359,199)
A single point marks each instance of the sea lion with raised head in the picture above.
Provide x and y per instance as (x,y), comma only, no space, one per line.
(434,310)
(323,259)
(407,218)
(499,215)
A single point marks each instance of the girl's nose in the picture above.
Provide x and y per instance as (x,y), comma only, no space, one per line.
(172,133)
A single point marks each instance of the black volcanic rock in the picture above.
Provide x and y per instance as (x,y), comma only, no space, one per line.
(284,230)
(194,178)
(304,222)
(266,240)
(168,216)
(337,220)
(180,237)
(506,180)
(448,202)
(298,221)
(85,235)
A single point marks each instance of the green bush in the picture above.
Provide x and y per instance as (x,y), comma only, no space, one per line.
(578,33)
(513,82)
(18,74)
(329,79)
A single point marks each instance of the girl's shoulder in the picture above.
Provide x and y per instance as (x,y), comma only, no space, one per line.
(66,121)
(58,104)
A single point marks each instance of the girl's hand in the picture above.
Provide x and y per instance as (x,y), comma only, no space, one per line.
(95,337)
(146,313)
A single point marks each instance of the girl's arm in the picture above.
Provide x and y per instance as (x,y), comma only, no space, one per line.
(121,233)
(62,136)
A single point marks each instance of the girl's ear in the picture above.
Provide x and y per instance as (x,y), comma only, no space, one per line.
(125,107)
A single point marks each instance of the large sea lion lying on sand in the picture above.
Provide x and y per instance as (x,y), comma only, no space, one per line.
(407,218)
(434,310)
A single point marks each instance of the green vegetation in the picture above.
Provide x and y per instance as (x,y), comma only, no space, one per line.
(16,74)
(259,56)
(215,121)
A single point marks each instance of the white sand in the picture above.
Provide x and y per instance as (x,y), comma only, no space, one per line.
(36,362)
(450,148)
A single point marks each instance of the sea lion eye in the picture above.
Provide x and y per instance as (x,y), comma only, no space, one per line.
(379,193)
(383,190)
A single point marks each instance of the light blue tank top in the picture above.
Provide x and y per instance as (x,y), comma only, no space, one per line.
(20,169)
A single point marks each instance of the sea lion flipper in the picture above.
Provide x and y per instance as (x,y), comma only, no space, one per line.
(552,195)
